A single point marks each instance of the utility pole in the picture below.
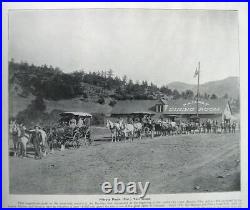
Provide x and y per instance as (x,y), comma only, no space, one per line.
(198,87)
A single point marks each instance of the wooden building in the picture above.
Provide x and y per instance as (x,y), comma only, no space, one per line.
(217,109)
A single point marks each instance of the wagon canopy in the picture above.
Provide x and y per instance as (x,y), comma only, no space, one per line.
(78,114)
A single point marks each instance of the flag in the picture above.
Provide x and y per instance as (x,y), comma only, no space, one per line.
(196,72)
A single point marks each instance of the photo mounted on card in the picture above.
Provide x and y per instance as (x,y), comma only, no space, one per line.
(125,105)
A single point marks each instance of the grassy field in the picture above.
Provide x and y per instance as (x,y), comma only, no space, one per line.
(176,164)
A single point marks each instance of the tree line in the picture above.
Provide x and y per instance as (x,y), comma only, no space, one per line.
(50,82)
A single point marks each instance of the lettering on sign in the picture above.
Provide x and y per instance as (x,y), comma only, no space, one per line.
(191,109)
(195,102)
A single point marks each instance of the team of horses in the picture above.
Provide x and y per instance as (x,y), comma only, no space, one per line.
(126,130)
(121,130)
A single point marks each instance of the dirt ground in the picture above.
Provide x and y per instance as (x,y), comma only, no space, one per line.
(176,164)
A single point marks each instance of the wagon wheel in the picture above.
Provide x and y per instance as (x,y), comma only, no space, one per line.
(87,138)
(75,140)
(74,144)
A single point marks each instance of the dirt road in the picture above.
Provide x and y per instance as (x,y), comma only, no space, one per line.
(177,164)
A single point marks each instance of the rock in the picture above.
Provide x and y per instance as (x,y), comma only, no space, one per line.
(51,166)
(197,187)
(220,176)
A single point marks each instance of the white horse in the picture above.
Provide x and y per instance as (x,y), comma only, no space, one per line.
(44,143)
(23,141)
(20,141)
(174,128)
(14,132)
(114,129)
(128,130)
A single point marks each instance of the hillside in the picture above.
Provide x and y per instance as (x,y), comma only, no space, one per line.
(41,92)
(228,86)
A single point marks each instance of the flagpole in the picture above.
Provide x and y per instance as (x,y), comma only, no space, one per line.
(197,98)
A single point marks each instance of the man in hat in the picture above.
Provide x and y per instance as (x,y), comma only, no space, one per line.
(22,130)
(80,123)
(37,140)
(72,123)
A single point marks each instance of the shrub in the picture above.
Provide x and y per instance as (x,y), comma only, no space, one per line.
(97,119)
(112,103)
(101,100)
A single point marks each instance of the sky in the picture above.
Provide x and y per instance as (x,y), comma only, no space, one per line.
(160,46)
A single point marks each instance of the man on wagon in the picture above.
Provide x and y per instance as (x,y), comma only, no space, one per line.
(72,123)
(80,123)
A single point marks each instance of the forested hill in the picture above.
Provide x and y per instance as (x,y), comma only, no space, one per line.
(53,84)
(229,86)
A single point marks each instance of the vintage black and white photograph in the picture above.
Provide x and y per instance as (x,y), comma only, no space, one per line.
(123,101)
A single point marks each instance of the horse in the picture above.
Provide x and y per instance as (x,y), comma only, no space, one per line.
(138,129)
(148,129)
(174,128)
(114,129)
(52,139)
(62,133)
(208,126)
(14,132)
(28,138)
(44,143)
(128,130)
(20,139)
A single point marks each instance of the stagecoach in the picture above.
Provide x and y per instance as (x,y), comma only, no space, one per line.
(75,129)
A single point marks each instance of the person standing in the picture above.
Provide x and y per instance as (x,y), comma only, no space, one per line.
(37,140)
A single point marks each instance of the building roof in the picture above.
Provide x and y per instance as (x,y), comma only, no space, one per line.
(171,107)
(80,114)
(164,101)
(216,106)
(134,106)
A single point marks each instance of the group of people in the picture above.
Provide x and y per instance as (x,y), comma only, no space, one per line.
(73,123)
(44,139)
(21,136)
(209,126)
